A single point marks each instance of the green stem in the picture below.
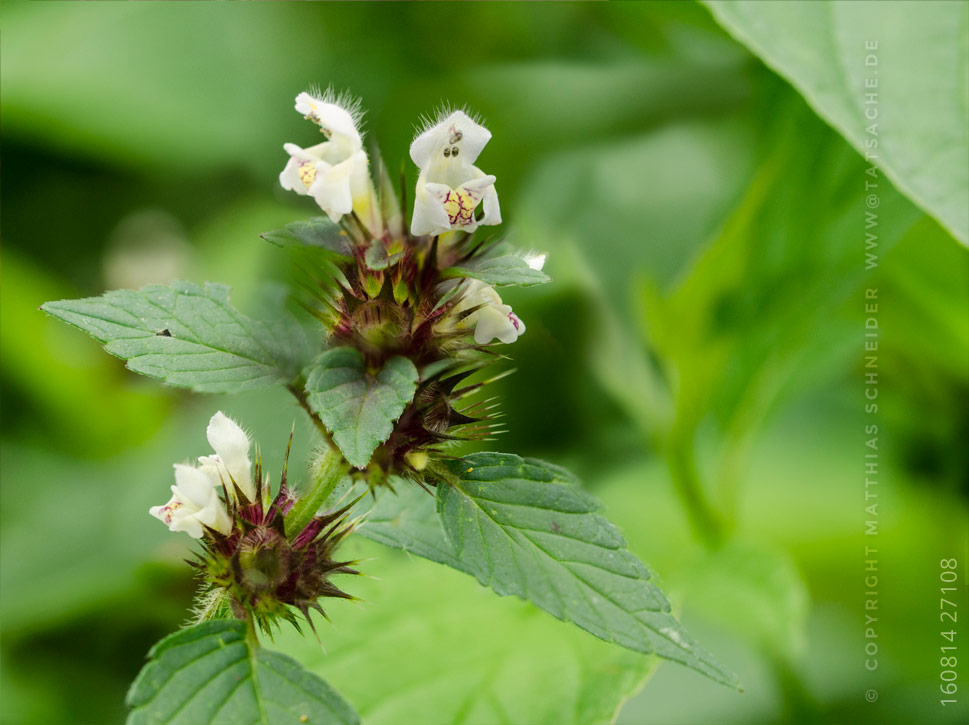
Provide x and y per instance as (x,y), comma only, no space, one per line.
(330,470)
(707,523)
(301,399)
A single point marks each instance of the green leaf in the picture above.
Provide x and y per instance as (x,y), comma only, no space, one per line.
(209,673)
(189,335)
(436,648)
(825,49)
(407,520)
(523,528)
(508,269)
(318,232)
(358,406)
(756,592)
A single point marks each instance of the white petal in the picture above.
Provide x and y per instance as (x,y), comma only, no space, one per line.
(457,130)
(303,167)
(492,212)
(193,485)
(178,514)
(189,524)
(477,186)
(492,322)
(516,330)
(290,179)
(166,513)
(429,214)
(331,190)
(337,178)
(231,444)
(479,293)
(332,118)
(212,467)
(469,196)
(214,516)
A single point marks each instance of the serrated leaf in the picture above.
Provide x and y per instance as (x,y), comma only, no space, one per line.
(407,520)
(318,232)
(358,406)
(189,335)
(523,528)
(209,674)
(436,648)
(863,68)
(508,269)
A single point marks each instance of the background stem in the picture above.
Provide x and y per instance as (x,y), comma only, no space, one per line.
(707,523)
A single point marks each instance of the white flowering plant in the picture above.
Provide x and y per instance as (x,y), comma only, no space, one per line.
(405,322)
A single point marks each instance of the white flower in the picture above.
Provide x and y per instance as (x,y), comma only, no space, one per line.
(195,501)
(335,172)
(493,319)
(450,187)
(231,460)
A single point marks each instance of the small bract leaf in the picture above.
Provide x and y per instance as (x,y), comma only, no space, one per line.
(190,335)
(358,407)
(318,232)
(378,257)
(523,528)
(508,269)
(209,674)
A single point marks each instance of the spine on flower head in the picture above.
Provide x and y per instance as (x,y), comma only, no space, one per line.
(262,567)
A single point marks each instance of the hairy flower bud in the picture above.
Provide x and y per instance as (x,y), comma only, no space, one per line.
(492,319)
(230,464)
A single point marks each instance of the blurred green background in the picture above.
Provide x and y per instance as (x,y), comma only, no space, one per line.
(698,359)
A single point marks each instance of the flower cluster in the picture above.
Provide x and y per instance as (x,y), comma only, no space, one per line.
(453,197)
(253,565)
(195,502)
(335,173)
(423,291)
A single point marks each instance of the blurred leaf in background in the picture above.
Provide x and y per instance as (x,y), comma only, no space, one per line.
(885,70)
(701,337)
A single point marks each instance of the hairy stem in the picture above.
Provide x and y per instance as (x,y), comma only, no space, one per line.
(301,399)
(330,470)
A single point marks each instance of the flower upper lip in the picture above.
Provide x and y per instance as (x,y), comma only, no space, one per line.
(230,464)
(334,120)
(456,129)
